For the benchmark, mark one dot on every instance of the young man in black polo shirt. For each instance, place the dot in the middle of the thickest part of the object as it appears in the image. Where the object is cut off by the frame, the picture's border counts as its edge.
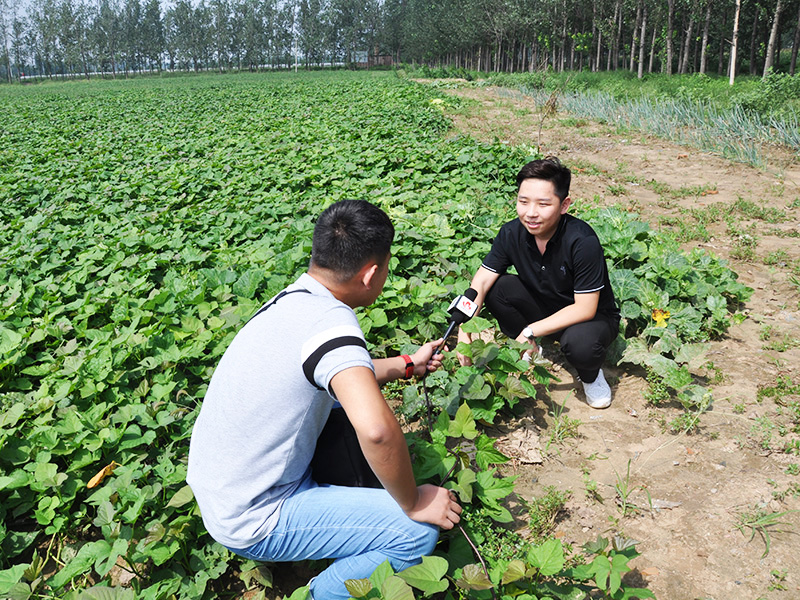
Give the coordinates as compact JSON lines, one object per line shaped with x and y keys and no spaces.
{"x":562,"y":290}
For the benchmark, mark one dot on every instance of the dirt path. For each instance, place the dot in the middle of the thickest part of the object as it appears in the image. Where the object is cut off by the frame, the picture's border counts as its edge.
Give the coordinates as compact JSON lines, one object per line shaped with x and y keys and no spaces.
{"x":688,"y":491}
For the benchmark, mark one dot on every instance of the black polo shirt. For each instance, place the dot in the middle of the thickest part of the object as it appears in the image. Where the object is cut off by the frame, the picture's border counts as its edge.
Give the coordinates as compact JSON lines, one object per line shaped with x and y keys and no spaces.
{"x":573,"y":263}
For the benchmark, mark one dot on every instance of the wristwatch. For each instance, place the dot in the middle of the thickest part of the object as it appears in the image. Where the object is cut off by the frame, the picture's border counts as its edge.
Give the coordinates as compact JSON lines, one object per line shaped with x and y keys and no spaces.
{"x":528,"y":333}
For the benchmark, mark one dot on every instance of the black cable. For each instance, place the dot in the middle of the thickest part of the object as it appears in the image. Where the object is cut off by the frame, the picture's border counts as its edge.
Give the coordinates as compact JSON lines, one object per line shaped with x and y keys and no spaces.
{"x":429,"y":409}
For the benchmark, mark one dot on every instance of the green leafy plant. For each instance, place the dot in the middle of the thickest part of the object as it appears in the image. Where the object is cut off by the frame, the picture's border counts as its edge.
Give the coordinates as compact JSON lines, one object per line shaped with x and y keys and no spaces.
{"x":444,"y":456}
{"x":776,"y":257}
{"x":562,"y":426}
{"x":784,"y":388}
{"x":744,"y":240}
{"x":657,"y":391}
{"x":671,"y":329}
{"x":496,"y":381}
{"x":760,"y":520}
{"x":617,"y":189}
{"x":694,"y":406}
{"x":591,"y":487}
{"x":427,"y":577}
{"x":497,"y":543}
{"x":777,"y":579}
{"x":543,"y":511}
{"x":624,"y":490}
{"x":541,"y":573}
{"x":609,"y":564}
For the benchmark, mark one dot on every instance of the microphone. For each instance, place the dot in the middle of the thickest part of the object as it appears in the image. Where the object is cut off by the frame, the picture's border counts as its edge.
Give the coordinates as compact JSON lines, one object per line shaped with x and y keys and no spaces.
{"x":461,"y":310}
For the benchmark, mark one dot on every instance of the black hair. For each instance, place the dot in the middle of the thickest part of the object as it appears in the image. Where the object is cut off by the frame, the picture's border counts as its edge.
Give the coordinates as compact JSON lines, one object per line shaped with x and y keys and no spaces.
{"x":348,"y":234}
{"x":550,"y":169}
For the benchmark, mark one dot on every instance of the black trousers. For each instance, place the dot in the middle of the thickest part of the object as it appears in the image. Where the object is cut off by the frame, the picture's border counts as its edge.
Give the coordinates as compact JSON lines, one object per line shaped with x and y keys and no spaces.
{"x":338,"y":458}
{"x":584,"y":344}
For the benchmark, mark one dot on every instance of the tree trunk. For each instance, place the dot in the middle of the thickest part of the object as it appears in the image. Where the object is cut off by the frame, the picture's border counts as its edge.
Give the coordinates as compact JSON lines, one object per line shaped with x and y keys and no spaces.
{"x":635,"y":37}
{"x":687,"y":44}
{"x":721,"y":49}
{"x":773,"y":38}
{"x":795,"y":44}
{"x":599,"y":46}
{"x":6,"y":55}
{"x":85,"y":60}
{"x":618,"y":36}
{"x":642,"y":34}
{"x":562,"y":66}
{"x":7,"y":59}
{"x":734,"y":43}
{"x":572,"y":56}
{"x":670,"y":27}
{"x":753,"y":38}
{"x":596,"y":35}
{"x":652,"y":49}
{"x":704,"y":44}
{"x":17,"y":55}
{"x":682,"y":43}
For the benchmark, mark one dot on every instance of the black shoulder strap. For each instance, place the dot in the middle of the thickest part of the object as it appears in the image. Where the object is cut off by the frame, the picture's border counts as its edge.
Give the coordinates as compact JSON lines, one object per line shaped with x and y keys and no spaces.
{"x":311,"y":362}
{"x":278,"y":297}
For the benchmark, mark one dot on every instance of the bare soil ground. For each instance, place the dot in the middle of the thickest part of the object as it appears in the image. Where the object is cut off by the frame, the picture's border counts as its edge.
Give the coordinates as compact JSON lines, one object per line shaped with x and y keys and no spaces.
{"x":688,"y":492}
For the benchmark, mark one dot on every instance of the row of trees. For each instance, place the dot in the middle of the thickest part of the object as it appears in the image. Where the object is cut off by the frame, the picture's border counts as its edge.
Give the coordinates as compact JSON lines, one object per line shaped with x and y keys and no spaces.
{"x":672,"y":36}
{"x":69,"y":37}
{"x":53,"y":37}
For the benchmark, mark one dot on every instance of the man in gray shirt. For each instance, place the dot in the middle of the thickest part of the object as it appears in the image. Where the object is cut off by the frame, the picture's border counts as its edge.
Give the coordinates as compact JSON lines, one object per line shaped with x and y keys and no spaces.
{"x":269,"y":398}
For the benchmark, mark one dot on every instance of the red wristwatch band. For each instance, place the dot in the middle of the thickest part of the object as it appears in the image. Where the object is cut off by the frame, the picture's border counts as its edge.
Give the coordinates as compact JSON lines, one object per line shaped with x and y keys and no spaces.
{"x":409,"y":366}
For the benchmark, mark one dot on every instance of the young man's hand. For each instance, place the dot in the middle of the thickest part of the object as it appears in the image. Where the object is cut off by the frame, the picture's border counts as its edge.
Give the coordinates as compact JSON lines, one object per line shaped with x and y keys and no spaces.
{"x":424,"y":359}
{"x":435,"y":505}
{"x":482,"y":282}
{"x":534,"y":346}
{"x":463,"y":360}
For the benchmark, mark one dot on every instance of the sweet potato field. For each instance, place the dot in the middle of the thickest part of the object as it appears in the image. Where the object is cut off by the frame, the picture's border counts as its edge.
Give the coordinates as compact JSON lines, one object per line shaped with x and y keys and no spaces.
{"x":144,"y":221}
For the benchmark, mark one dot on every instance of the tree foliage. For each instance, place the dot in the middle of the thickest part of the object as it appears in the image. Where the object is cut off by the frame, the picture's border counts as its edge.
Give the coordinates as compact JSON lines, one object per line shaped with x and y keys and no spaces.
{"x":81,"y":37}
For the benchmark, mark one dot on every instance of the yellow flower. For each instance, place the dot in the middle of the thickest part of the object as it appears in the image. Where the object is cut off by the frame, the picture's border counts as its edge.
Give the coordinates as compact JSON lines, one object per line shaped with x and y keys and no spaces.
{"x":660,"y":317}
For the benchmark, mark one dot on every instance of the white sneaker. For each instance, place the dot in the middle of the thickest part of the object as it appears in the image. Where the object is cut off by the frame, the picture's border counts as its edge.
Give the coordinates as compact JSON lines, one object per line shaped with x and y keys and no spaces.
{"x":598,"y":394}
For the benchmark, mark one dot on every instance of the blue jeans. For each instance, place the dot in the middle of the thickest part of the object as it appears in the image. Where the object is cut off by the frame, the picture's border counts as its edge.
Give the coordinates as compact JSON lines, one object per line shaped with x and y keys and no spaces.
{"x":359,"y":527}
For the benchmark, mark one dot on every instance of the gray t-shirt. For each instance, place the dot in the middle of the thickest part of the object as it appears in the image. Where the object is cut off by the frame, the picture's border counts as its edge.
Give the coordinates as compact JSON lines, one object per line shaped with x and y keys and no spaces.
{"x":267,"y":403}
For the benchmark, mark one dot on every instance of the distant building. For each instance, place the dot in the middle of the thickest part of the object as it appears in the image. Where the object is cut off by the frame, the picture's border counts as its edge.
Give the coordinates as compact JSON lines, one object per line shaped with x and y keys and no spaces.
{"x":366,"y":60}
{"x":381,"y":60}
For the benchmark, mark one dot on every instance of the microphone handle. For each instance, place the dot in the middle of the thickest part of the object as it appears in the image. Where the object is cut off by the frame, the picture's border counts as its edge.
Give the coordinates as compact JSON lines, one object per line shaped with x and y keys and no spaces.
{"x":445,"y":336}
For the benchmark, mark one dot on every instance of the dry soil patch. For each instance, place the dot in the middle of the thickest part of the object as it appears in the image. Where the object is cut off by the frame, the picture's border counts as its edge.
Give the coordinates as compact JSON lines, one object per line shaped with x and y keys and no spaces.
{"x":688,"y":490}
